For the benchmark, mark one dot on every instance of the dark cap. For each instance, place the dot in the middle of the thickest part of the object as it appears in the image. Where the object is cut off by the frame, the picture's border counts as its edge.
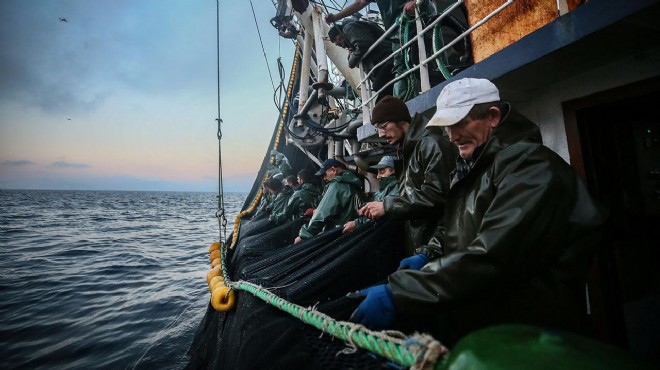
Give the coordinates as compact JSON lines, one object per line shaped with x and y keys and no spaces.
{"x":327,"y":164}
{"x":386,"y":161}
{"x":391,"y":109}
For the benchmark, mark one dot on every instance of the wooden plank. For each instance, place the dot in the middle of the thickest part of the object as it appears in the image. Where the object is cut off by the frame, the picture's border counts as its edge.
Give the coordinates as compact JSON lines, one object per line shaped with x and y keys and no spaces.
{"x":513,"y":23}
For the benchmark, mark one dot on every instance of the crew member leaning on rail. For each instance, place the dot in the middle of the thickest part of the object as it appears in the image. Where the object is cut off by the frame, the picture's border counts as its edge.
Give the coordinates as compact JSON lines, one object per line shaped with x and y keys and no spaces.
{"x":520,"y":231}
{"x":339,"y":202}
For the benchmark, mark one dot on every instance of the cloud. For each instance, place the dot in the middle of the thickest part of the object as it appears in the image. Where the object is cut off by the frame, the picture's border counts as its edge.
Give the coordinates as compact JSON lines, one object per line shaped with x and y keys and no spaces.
{"x":64,"y":164}
{"x":18,"y":163}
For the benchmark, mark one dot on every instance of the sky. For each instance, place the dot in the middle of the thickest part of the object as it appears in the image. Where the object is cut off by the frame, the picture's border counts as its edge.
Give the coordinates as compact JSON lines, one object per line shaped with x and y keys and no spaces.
{"x":123,"y":95}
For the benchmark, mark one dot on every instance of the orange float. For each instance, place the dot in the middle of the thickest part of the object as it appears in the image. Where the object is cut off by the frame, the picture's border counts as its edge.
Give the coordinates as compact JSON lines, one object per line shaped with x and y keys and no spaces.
{"x":213,"y":273}
{"x":223,"y":298}
{"x":213,"y":283}
{"x":214,"y":246}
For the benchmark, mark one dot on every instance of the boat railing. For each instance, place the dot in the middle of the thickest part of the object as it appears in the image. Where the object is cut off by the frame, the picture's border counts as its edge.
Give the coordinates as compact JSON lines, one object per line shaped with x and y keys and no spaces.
{"x":368,"y":96}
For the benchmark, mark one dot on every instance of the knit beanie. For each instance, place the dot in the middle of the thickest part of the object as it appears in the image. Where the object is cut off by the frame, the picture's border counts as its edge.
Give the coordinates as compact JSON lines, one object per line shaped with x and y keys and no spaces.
{"x":390,"y":108}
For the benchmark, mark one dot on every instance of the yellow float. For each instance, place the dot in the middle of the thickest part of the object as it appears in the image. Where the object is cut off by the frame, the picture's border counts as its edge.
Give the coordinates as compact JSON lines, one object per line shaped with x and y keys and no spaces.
{"x":214,"y":246}
{"x":223,"y":298}
{"x":213,"y":283}
{"x":213,"y":273}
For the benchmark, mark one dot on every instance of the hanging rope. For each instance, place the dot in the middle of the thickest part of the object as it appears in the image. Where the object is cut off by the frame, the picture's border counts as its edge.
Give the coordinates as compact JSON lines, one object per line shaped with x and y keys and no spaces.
{"x":220,"y":213}
{"x":262,"y":45}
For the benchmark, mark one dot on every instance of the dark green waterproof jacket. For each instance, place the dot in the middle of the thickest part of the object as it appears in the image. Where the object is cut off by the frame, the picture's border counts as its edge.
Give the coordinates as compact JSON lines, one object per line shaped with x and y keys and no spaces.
{"x":520,"y":229}
{"x":338,"y":205}
{"x":360,"y":36}
{"x":387,"y":186}
{"x":428,"y":159}
{"x":302,"y":199}
{"x":280,"y":201}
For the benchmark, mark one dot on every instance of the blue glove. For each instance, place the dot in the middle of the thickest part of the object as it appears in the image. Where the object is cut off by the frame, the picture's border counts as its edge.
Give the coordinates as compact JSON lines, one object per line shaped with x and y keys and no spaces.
{"x":415,"y":262}
{"x":377,"y":311}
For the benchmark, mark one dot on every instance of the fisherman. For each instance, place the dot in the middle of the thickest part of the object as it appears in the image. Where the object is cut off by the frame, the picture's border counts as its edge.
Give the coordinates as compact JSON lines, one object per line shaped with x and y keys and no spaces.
{"x":358,"y":36}
{"x":292,"y":182}
{"x":280,"y":196}
{"x":339,"y":202}
{"x":387,"y":185}
{"x":428,"y":160}
{"x":266,"y":200}
{"x":521,"y":229}
{"x":390,"y":10}
{"x":281,"y":163}
{"x":302,"y":200}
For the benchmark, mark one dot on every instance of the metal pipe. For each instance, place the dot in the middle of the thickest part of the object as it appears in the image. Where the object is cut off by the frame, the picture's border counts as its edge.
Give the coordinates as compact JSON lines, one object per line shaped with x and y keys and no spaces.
{"x":321,"y":56}
{"x":338,"y":55}
{"x":421,"y":48}
{"x":304,"y":109}
{"x":304,"y":71}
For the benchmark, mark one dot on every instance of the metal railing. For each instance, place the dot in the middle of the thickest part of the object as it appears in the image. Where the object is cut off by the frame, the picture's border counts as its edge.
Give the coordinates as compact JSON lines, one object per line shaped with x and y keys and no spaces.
{"x":369,"y":96}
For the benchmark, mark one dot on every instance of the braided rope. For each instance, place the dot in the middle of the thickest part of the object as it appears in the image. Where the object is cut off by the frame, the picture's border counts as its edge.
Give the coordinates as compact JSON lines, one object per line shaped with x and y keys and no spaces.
{"x":418,"y":351}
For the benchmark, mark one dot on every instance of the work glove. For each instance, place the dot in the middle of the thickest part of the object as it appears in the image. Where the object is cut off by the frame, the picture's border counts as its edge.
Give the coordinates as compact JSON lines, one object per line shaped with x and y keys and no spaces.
{"x":415,"y":262}
{"x":377,"y":310}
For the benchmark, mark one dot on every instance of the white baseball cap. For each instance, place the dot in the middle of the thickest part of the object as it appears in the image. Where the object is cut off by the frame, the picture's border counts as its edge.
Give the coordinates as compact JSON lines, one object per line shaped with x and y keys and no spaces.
{"x":458,"y":97}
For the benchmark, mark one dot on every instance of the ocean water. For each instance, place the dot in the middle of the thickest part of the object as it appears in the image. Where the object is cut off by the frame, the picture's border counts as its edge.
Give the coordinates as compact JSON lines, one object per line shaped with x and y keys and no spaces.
{"x":112,"y":280}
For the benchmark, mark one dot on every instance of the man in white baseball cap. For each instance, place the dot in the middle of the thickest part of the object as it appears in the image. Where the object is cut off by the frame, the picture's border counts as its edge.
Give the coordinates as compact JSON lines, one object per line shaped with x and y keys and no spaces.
{"x":457,"y":99}
{"x":520,"y":231}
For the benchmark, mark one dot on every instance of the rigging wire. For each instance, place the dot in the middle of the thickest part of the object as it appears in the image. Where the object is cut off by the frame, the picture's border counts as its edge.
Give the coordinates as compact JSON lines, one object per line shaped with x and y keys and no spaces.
{"x":262,"y":45}
{"x":220,"y":213}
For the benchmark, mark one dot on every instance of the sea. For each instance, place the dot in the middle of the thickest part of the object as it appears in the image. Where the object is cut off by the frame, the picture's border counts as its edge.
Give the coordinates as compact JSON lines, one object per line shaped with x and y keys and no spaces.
{"x":104,"y":279}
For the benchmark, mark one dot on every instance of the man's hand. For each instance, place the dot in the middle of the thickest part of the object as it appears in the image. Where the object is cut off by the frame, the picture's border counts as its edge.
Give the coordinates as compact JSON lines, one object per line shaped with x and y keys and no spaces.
{"x":409,"y":7}
{"x":377,"y":311}
{"x":348,"y":227}
{"x":330,"y":18}
{"x":309,"y":212}
{"x":415,"y":262}
{"x":372,"y":210}
{"x":297,"y":240}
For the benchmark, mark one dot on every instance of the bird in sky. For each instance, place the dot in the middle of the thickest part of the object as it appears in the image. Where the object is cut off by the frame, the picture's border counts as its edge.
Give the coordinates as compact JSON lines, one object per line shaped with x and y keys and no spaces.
{"x":62,"y":19}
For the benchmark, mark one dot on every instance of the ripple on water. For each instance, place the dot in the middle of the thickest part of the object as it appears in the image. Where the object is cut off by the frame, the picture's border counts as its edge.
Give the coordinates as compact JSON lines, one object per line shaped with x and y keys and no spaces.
{"x":103,"y":279}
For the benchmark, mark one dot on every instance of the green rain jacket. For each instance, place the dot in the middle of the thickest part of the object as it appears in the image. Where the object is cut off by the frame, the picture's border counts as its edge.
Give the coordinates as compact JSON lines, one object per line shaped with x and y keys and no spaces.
{"x":388,"y":186}
{"x":302,"y":199}
{"x":280,"y":201}
{"x":521,"y":229}
{"x":338,"y":205}
{"x":428,"y":159}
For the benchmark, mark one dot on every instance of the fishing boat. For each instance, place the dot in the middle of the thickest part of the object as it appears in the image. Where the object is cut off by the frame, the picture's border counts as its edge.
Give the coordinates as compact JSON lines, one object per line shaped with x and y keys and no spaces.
{"x":587,"y":72}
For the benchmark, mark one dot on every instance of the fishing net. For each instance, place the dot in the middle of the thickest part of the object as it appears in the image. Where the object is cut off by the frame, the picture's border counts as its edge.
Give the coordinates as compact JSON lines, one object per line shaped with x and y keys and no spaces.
{"x":317,"y":273}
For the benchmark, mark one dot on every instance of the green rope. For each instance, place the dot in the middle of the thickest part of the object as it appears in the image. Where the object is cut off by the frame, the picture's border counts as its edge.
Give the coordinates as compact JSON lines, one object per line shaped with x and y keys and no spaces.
{"x":404,"y":27}
{"x":438,"y":43}
{"x":392,"y":348}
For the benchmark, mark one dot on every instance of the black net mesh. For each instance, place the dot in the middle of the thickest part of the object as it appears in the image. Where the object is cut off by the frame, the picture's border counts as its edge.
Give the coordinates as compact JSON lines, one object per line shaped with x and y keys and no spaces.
{"x":318,"y":272}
